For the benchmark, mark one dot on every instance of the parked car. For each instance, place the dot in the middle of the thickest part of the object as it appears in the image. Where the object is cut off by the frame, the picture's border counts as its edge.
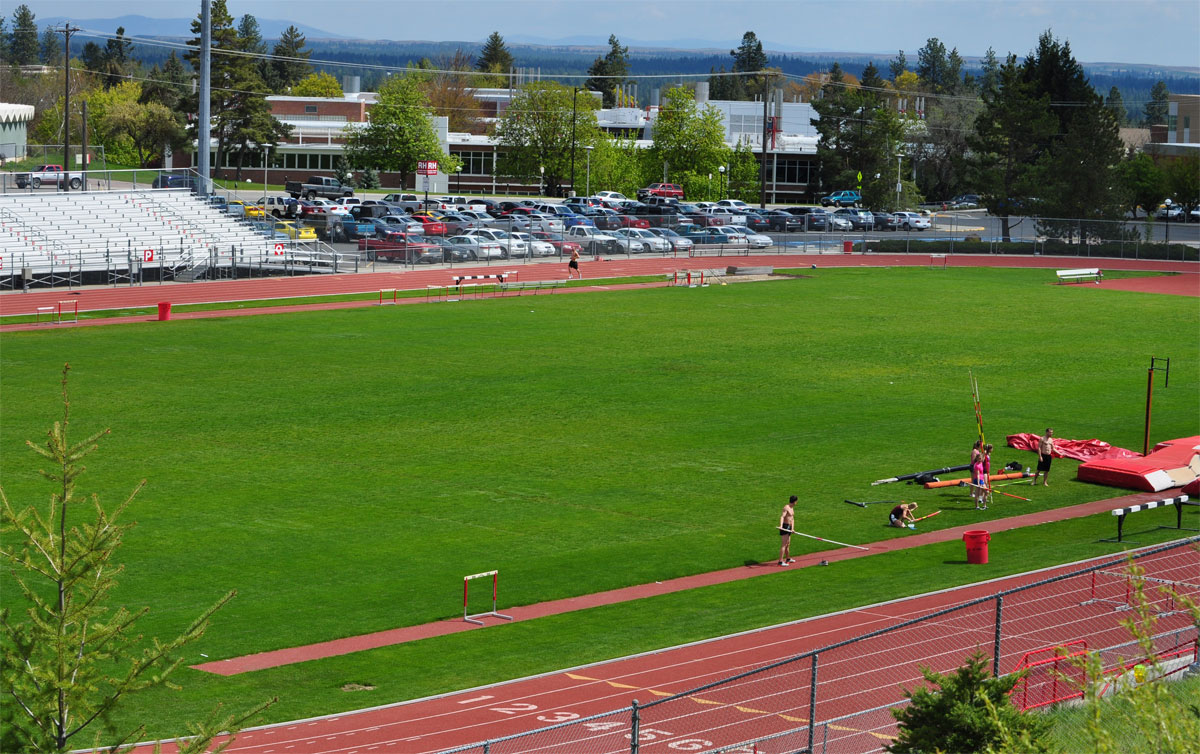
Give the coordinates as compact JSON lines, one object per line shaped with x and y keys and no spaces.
{"x":814,"y":218}
{"x":450,"y":252}
{"x":860,"y":219}
{"x":713,"y":235}
{"x":595,"y":242}
{"x":724,"y":213}
{"x":603,"y":218}
{"x":839,"y":223}
{"x":404,"y":224}
{"x":650,"y":241}
{"x":782,"y":222}
{"x":670,"y":190}
{"x":513,"y":247}
{"x":331,"y":207}
{"x":610,"y":196}
{"x":754,"y":220}
{"x":268,"y":229}
{"x":165,"y":180}
{"x":245,"y":209}
{"x":478,"y":247}
{"x":698,"y":216}
{"x":296,"y":232}
{"x":734,"y":204}
{"x":50,"y":174}
{"x":752,"y":239}
{"x":841,"y":199}
{"x":1194,"y":216}
{"x":562,"y":246}
{"x":885,"y":221}
{"x":317,"y":186}
{"x":537,"y":247}
{"x":402,"y":248}
{"x":276,"y":205}
{"x":1170,"y":212}
{"x":965,"y":201}
{"x":678,"y":241}
{"x":912,"y":221}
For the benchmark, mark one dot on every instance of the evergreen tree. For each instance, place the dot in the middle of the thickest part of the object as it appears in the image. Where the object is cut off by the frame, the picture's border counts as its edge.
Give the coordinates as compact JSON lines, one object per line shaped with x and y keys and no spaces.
{"x":938,"y":70}
{"x":1011,"y":136}
{"x":241,"y":117}
{"x":1156,"y":109}
{"x":117,"y":62}
{"x":167,"y":85}
{"x":872,"y":83}
{"x":1116,"y":103}
{"x":991,"y":72}
{"x":70,"y":658}
{"x":290,"y":63}
{"x":24,"y":47}
{"x":494,"y":57}
{"x":951,"y":714}
{"x":52,"y":49}
{"x":608,"y":73}
{"x":747,"y":58}
{"x":93,"y":58}
{"x":897,"y":66}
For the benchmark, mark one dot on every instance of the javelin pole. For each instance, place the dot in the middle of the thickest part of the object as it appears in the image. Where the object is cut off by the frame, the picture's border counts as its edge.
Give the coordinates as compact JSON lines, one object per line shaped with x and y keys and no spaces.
{"x":975,"y":398}
{"x":998,"y":492}
{"x":822,"y":539}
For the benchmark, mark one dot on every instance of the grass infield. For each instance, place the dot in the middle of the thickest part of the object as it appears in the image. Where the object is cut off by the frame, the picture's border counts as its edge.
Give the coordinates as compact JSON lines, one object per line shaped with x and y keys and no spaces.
{"x":345,"y":469}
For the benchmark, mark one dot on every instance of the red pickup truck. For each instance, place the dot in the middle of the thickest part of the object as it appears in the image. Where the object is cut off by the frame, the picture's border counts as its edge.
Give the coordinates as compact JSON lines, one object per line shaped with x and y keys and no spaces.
{"x":668,"y":190}
{"x":49,"y":174}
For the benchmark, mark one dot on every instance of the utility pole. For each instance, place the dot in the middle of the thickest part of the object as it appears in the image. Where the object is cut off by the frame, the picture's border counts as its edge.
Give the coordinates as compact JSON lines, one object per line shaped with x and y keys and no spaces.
{"x":762,"y":173}
{"x":574,"y":94}
{"x":66,"y":30}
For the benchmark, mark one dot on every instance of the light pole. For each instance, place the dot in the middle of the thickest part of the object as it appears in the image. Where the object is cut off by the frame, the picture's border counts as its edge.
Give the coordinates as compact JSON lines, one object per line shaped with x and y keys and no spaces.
{"x":457,"y":180}
{"x":266,"y":169}
{"x":587,"y":189}
{"x":541,"y":180}
{"x":721,"y":170}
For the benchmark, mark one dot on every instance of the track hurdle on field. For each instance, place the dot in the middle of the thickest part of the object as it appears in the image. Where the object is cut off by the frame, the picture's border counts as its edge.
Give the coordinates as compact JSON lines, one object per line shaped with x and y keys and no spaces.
{"x":387,"y":296}
{"x":1178,"y":502}
{"x":466,"y":588}
{"x":68,"y":307}
{"x":689,"y":278}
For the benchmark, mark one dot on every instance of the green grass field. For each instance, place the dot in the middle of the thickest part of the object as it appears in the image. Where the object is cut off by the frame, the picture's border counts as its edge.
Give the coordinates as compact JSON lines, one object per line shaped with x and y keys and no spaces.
{"x":344,"y":470}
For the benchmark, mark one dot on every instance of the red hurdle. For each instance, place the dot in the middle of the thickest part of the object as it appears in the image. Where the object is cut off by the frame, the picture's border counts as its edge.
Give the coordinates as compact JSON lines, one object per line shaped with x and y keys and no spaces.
{"x":466,"y":586}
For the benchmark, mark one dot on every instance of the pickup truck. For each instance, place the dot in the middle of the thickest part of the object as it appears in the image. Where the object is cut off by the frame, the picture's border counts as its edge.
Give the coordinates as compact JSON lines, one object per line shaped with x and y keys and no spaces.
{"x":328,"y":188}
{"x":669,"y":190}
{"x":595,"y":242}
{"x":841,"y":199}
{"x":49,"y":174}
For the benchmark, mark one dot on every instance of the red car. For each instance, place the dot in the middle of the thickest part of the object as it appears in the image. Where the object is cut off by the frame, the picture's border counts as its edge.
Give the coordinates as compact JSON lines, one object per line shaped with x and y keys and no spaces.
{"x":433,"y":227}
{"x":632,"y":221}
{"x":669,"y":190}
{"x":561,"y":245}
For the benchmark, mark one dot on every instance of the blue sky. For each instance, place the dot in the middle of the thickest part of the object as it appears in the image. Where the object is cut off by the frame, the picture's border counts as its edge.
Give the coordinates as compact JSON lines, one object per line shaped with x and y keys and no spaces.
{"x":1158,"y":32}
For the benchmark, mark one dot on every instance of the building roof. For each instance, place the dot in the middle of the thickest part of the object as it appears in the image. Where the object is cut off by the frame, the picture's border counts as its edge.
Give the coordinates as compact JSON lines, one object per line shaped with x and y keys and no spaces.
{"x":10,"y":113}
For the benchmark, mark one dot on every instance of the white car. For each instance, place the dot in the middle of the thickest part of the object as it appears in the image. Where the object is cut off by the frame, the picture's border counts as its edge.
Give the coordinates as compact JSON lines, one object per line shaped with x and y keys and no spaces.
{"x":331,"y":207}
{"x":838,"y":223}
{"x":729,"y":216}
{"x":513,"y":247}
{"x":537,"y":248}
{"x":610,"y":196}
{"x":754,"y":240}
{"x":737,"y":204}
{"x":478,"y":247}
{"x":912,"y":221}
{"x":651,"y":241}
{"x":1170,"y":212}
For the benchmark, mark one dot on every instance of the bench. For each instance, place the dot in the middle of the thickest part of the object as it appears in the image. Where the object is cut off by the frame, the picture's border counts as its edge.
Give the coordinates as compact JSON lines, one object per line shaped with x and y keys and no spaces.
{"x":1080,"y":275}
{"x":1178,"y":502}
{"x":532,"y":285}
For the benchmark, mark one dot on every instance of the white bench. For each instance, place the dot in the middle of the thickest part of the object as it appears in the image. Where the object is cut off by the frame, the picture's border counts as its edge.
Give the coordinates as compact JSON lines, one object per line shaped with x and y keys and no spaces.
{"x":1080,"y":275}
{"x":1178,"y":502}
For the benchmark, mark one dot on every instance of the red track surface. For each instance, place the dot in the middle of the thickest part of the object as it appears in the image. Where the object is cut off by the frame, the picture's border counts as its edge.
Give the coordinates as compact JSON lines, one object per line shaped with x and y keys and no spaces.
{"x":261,"y":289}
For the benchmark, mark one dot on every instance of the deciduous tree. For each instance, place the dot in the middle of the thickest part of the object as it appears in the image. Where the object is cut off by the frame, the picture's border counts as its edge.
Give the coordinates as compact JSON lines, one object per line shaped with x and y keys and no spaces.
{"x":318,"y":84}
{"x":535,"y":133}
{"x":688,"y":137}
{"x":451,"y":92}
{"x":399,"y":133}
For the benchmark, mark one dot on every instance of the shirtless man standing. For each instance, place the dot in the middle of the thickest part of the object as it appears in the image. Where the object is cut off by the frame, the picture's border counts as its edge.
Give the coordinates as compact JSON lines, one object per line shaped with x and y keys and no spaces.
{"x":787,"y":524}
{"x":1045,"y":456}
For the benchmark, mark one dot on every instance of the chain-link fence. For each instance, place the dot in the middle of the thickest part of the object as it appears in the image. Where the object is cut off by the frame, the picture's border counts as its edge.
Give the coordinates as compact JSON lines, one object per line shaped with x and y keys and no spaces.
{"x":839,"y":698}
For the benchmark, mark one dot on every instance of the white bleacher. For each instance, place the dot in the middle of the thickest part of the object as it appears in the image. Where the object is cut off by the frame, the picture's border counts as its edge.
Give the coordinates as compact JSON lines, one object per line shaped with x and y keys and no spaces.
{"x":116,"y":230}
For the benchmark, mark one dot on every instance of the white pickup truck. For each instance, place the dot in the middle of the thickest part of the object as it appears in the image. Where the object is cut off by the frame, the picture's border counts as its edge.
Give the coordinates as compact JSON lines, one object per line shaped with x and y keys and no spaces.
{"x":52,"y":174}
{"x":595,"y":242}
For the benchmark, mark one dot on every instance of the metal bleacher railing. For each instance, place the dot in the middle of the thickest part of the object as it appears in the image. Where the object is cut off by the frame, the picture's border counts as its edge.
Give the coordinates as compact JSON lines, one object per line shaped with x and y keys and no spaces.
{"x":839,"y":698}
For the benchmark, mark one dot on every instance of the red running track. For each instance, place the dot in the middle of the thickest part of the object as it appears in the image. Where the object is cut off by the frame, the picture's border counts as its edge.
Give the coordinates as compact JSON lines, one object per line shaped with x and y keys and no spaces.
{"x":262,"y":289}
{"x":862,"y":676}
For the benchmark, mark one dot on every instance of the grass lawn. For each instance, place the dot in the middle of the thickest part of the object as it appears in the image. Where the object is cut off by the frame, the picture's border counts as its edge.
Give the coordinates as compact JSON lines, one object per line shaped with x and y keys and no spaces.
{"x":343,"y":470}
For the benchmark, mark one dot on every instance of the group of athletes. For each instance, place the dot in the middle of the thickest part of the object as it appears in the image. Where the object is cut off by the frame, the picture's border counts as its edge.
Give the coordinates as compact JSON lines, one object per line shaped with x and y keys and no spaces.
{"x":902,"y":517}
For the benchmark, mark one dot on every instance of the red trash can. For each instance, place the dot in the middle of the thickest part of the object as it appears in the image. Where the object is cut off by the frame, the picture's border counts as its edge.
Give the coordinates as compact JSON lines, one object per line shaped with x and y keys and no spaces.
{"x":847,"y":247}
{"x":164,"y":310}
{"x":977,"y":545}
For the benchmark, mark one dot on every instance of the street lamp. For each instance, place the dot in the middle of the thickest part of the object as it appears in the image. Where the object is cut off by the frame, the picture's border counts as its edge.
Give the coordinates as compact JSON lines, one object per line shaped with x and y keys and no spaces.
{"x":457,"y":180}
{"x":266,"y":169}
{"x":721,"y":170}
{"x":541,"y":180}
{"x":587,"y":189}
{"x":898,"y":186}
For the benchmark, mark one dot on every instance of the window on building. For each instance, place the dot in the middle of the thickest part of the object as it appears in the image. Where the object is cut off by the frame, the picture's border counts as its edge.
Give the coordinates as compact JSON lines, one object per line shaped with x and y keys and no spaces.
{"x":289,"y":160}
{"x":475,"y":163}
{"x":745,"y":124}
{"x":792,"y":171}
{"x":310,"y":109}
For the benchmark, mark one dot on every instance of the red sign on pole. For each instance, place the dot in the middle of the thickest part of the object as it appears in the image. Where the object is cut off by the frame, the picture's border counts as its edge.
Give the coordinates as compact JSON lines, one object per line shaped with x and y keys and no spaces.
{"x":427,"y":167}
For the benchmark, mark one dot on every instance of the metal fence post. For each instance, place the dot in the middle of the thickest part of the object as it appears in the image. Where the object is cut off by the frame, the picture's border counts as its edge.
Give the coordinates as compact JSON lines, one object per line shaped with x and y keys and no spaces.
{"x":634,"y":725}
{"x":812,"y":704}
{"x":996,"y":647}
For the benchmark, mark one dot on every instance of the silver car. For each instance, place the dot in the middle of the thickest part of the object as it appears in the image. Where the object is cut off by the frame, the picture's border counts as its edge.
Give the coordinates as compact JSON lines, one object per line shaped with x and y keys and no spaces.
{"x":650,"y":241}
{"x":678,"y":242}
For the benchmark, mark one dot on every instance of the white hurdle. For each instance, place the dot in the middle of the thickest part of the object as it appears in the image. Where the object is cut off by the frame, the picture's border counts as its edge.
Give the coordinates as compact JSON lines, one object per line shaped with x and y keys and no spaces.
{"x":466,"y":587}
